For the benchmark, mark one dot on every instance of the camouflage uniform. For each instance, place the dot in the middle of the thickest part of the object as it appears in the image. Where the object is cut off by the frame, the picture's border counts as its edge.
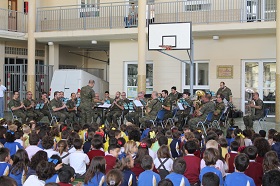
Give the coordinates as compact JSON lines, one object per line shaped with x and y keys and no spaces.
{"x":154,"y":106}
{"x":44,"y":109}
{"x":205,"y":109}
{"x":114,"y":112}
{"x":226,"y":92}
{"x":61,"y":114}
{"x":134,"y":116}
{"x":20,"y":112}
{"x":173,"y":98}
{"x":219,"y":108}
{"x":87,"y":96}
{"x":187,"y":104}
{"x":72,"y":114}
{"x":167,"y":103}
{"x":31,"y":113}
{"x":259,"y":113}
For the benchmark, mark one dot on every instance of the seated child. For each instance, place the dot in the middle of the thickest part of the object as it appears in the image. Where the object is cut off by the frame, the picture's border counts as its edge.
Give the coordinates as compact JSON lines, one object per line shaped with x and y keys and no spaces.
{"x":95,"y":174}
{"x":4,"y":162}
{"x":148,"y":177}
{"x":192,"y":162}
{"x":66,"y":176}
{"x":114,"y":177}
{"x":241,"y":163}
{"x":96,"y":145}
{"x":271,"y":178}
{"x":255,"y":170}
{"x":111,"y":158}
{"x":78,"y":159}
{"x":210,"y":157}
{"x":210,"y":179}
{"x":233,"y":152}
{"x":11,"y":144}
{"x":177,"y":176}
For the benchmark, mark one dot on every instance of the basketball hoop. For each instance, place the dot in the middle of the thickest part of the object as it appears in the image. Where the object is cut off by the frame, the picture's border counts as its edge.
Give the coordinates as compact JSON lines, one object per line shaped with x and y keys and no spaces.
{"x":166,"y":47}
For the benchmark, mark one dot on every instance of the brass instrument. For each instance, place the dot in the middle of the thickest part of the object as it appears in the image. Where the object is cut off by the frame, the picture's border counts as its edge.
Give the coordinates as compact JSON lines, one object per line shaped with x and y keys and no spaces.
{"x":249,"y":98}
{"x":198,"y":95}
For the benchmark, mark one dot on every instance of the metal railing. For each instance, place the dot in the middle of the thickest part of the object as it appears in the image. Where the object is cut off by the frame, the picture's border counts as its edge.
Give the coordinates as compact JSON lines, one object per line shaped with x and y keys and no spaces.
{"x":13,"y":21}
{"x":15,"y":78}
{"x":120,"y":15}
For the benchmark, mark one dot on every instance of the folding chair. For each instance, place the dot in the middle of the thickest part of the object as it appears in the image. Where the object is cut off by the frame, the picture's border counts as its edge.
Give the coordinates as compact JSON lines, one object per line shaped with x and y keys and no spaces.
{"x":14,"y":117}
{"x":172,"y":120}
{"x":266,"y":112}
{"x":159,"y":118}
{"x":216,"y":123}
{"x":207,"y":122}
{"x":120,"y":119}
{"x":53,"y":118}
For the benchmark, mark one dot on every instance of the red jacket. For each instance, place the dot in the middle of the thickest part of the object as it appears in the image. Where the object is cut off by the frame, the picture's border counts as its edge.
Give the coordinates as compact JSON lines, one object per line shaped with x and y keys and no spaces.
{"x":231,"y":161}
{"x":255,"y":171}
{"x":193,"y":168}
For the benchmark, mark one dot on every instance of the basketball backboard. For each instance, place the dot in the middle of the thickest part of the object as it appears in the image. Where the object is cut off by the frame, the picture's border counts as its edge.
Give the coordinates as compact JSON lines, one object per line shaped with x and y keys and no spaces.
{"x":176,"y":35}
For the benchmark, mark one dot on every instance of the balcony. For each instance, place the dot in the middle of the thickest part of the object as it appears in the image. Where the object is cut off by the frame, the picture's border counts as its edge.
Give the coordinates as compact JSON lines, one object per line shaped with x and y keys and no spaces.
{"x":118,"y":15}
{"x":12,"y":21}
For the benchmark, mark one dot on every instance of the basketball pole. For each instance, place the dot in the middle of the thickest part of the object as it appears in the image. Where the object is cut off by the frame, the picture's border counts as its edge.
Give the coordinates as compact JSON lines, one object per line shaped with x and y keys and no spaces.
{"x":191,"y":56}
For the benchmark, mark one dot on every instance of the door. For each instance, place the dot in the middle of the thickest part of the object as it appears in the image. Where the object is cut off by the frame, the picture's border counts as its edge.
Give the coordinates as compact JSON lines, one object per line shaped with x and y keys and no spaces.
{"x":260,"y":76}
{"x":12,"y":17}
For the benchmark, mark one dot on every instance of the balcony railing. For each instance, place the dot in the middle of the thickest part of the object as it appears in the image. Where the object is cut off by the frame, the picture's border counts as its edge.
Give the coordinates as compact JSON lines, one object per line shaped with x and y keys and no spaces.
{"x":120,"y":15}
{"x":13,"y":21}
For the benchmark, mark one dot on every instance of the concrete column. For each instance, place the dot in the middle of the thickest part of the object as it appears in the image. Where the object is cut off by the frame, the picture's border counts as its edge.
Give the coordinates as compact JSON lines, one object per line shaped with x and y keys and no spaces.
{"x":46,"y":58}
{"x":54,"y":56}
{"x":31,"y":46}
{"x":277,"y":94}
{"x":2,"y":60}
{"x":142,"y":46}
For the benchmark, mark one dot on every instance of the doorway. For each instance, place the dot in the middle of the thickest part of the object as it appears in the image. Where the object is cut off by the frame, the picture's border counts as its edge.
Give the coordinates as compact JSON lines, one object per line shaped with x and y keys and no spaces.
{"x":260,"y":75}
{"x":12,"y":17}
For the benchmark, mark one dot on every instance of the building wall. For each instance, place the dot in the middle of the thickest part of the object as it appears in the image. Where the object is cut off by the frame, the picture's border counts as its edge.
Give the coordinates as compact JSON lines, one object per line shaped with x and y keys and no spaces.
{"x":228,"y":50}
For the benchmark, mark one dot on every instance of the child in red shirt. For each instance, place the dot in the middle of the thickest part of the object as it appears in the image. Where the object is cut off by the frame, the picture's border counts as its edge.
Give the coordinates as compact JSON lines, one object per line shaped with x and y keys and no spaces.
{"x":255,"y":170}
{"x":234,"y":148}
{"x":111,"y":158}
{"x":193,"y":163}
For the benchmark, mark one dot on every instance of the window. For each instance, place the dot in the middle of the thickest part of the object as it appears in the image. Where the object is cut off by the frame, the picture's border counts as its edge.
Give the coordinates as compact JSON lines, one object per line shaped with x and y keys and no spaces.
{"x":201,"y":76}
{"x":197,"y":6}
{"x":131,"y":79}
{"x":89,"y":8}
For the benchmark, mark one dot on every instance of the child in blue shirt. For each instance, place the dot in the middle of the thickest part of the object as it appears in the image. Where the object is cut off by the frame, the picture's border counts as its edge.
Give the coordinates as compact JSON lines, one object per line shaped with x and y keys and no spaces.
{"x":11,"y":144}
{"x":210,"y":157}
{"x":241,"y":163}
{"x":4,"y":159}
{"x":20,"y":167}
{"x":210,"y":178}
{"x":148,"y":177}
{"x":177,"y":176}
{"x":95,"y":174}
{"x":145,"y":133}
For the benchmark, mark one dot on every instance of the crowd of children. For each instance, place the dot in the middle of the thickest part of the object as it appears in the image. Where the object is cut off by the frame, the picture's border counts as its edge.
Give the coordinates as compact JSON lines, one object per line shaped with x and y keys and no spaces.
{"x":93,"y":155}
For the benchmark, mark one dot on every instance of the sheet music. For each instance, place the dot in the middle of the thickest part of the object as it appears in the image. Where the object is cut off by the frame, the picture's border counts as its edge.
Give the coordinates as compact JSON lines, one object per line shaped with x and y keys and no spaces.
{"x":105,"y":105}
{"x":137,"y":103}
{"x":180,"y":106}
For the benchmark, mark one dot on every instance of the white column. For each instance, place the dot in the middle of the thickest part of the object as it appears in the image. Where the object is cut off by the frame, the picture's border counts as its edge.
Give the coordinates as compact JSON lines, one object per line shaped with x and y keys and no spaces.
{"x":142,"y":45}
{"x":31,"y":46}
{"x":54,"y":56}
{"x":2,"y":60}
{"x":277,"y":92}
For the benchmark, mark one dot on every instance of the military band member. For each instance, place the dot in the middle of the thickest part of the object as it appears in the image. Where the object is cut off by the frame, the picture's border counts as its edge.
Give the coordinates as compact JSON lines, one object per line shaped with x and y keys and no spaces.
{"x":30,"y":105}
{"x":58,"y":107}
{"x":44,"y":105}
{"x":126,"y":103}
{"x":63,"y":99}
{"x":107,"y":98}
{"x":152,"y":108}
{"x":87,"y":102}
{"x":17,"y":107}
{"x":115,"y":109}
{"x":72,"y":108}
{"x":187,"y":104}
{"x":174,"y":95}
{"x":259,"y":111}
{"x":220,"y":106}
{"x":225,"y":91}
{"x":201,"y":113}
{"x":138,"y":111}
{"x":166,"y":104}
